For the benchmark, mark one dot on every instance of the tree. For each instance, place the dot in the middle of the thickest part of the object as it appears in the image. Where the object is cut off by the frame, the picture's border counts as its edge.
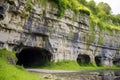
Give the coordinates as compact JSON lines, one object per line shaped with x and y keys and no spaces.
{"x":105,"y":7}
{"x":83,"y":2}
{"x":92,"y":6}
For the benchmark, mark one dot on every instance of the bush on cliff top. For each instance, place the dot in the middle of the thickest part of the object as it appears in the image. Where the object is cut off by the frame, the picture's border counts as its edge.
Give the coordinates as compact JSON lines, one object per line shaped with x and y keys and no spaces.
{"x":102,"y":17}
{"x":99,"y":14}
{"x":62,"y":5}
{"x":70,"y":4}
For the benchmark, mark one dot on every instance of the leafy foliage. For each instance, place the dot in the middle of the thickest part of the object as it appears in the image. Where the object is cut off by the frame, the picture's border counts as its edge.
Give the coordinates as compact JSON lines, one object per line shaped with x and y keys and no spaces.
{"x":105,"y":7}
{"x":102,"y":18}
{"x":70,"y":4}
{"x":101,"y":12}
{"x":84,"y":2}
{"x":92,"y":6}
{"x":62,"y":5}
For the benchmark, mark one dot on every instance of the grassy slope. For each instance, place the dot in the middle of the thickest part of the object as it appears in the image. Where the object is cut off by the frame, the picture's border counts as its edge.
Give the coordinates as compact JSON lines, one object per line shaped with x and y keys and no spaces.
{"x":11,"y":72}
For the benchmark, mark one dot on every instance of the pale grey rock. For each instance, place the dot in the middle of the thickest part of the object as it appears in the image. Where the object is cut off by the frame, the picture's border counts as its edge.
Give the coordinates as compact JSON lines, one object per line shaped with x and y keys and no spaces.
{"x":64,"y":38}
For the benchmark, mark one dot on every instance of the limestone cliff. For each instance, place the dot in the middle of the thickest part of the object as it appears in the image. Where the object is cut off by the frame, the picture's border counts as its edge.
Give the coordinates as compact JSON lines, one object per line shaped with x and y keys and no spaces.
{"x":66,"y":38}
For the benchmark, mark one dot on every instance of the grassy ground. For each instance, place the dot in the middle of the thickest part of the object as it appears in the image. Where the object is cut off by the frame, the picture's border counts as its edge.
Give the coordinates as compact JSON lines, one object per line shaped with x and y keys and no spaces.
{"x":13,"y":72}
{"x":73,"y":65}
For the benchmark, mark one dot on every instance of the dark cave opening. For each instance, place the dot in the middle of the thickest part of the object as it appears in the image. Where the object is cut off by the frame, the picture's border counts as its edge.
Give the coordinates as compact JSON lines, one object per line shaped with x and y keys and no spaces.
{"x":98,"y":60}
{"x":116,"y":61}
{"x":1,"y":16}
{"x":83,"y":59}
{"x":1,"y":12}
{"x":1,"y":9}
{"x":33,"y":57}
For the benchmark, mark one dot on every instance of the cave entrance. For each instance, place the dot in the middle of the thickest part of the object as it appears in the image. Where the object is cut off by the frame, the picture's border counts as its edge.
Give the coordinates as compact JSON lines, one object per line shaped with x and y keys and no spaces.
{"x":83,"y":59}
{"x":98,"y":60}
{"x":33,"y":57}
{"x":116,"y":61}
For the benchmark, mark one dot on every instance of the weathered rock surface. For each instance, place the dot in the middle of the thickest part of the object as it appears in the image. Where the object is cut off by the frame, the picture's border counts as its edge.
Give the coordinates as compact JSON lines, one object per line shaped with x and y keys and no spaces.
{"x":65,"y":38}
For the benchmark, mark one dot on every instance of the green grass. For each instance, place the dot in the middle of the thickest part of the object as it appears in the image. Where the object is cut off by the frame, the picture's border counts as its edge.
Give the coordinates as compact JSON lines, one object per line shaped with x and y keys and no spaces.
{"x":5,"y":53}
{"x":72,"y":65}
{"x":12,"y":72}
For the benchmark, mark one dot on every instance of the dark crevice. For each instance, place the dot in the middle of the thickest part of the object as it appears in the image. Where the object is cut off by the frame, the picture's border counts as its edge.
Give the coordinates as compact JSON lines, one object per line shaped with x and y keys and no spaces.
{"x":31,"y":57}
{"x":1,"y":9}
{"x":116,"y":61}
{"x":98,"y":60}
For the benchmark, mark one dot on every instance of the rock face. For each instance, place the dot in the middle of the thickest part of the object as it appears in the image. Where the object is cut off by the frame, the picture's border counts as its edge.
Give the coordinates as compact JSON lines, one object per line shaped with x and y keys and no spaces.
{"x":64,"y":37}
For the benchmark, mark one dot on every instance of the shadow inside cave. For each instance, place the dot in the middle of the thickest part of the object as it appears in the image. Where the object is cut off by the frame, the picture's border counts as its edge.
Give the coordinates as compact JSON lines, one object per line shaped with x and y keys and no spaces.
{"x":83,"y":59}
{"x":33,"y":57}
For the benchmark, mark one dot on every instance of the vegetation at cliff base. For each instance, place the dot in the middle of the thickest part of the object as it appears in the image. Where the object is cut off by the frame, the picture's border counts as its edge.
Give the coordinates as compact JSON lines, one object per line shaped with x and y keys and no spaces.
{"x":12,"y":72}
{"x":72,"y":65}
